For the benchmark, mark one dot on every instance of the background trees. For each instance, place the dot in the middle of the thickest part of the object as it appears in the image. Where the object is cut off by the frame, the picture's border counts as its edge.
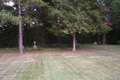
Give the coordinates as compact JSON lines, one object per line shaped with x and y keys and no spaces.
{"x":80,"y":16}
{"x":113,"y":19}
{"x":22,"y":8}
{"x":45,"y":21}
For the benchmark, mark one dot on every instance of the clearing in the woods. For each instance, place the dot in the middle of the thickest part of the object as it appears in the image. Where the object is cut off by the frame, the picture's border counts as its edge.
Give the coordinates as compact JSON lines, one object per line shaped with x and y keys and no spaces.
{"x":88,"y":62}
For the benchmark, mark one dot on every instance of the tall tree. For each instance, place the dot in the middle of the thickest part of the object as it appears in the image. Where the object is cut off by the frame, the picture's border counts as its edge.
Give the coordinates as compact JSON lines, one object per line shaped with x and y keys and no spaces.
{"x":21,"y":14}
{"x":112,"y":17}
{"x":20,"y":28}
{"x":80,"y":16}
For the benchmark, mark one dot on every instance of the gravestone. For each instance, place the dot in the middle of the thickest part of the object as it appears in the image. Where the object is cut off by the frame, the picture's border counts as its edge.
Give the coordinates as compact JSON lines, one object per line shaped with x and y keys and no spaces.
{"x":35,"y":46}
{"x":95,"y":43}
{"x":76,"y":43}
{"x":58,"y":43}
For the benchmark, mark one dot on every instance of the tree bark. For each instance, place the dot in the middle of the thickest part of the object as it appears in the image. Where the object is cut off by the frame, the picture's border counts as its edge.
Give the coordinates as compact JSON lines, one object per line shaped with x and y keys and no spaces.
{"x":58,"y":42}
{"x":20,"y":30}
{"x":98,"y":39}
{"x":89,"y":38}
{"x":25,"y":37}
{"x":74,"y":47}
{"x":79,"y":38}
{"x":104,"y":39}
{"x":70,"y":40}
{"x":43,"y":43}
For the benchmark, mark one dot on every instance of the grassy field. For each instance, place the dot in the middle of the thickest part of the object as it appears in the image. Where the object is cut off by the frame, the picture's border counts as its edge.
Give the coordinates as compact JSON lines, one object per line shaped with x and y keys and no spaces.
{"x":89,"y":62}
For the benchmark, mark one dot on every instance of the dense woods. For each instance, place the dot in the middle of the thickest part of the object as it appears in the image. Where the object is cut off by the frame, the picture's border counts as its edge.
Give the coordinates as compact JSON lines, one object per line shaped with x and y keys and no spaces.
{"x":56,"y":22}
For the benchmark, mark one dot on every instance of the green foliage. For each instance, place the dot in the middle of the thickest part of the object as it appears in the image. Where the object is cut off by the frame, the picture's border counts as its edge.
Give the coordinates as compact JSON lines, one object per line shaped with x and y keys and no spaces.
{"x":28,"y":7}
{"x":42,"y":36}
{"x":9,"y":35}
{"x":118,"y":42}
{"x":9,"y":17}
{"x":79,"y":16}
{"x":116,"y":11}
{"x":6,"y":15}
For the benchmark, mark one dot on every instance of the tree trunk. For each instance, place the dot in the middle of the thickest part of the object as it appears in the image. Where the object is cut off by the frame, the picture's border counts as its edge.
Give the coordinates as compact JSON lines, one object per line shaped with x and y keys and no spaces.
{"x":98,"y":39}
{"x":24,"y":33}
{"x":79,"y":38}
{"x":74,"y":47}
{"x":89,"y":38}
{"x":43,"y":43}
{"x":70,"y":40}
{"x":58,"y":42}
{"x":59,"y":39}
{"x":104,"y":39}
{"x":20,"y":30}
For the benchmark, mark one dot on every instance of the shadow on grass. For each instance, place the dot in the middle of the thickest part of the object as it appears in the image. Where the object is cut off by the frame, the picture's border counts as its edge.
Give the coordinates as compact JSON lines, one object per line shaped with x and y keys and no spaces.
{"x":62,"y":48}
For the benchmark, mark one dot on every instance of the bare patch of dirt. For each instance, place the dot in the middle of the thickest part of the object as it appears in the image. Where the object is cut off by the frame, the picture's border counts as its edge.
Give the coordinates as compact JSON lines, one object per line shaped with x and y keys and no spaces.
{"x":72,"y":56}
{"x":1,"y":56}
{"x":94,"y":57}
{"x":79,"y":52}
{"x":102,"y":51}
{"x":29,"y":55}
{"x":116,"y":59}
{"x":32,"y":60}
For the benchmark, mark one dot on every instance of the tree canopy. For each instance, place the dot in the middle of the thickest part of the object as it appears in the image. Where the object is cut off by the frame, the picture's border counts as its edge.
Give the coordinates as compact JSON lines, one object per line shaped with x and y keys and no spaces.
{"x":61,"y":17}
{"x":80,"y":16}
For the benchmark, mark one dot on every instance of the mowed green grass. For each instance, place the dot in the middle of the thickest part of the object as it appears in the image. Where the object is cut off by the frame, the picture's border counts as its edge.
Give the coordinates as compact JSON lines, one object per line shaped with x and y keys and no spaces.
{"x":89,"y":62}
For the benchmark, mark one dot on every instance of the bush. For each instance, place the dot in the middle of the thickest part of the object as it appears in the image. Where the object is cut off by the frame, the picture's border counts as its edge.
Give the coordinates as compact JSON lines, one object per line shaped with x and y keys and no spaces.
{"x":118,"y":42}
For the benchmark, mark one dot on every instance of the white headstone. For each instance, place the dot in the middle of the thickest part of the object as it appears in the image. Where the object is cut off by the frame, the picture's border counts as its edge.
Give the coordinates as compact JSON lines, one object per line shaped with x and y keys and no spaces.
{"x":95,"y":43}
{"x":35,"y":46}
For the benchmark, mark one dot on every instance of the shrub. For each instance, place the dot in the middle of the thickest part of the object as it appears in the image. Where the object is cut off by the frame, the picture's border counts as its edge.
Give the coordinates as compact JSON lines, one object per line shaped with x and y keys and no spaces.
{"x":118,"y":42}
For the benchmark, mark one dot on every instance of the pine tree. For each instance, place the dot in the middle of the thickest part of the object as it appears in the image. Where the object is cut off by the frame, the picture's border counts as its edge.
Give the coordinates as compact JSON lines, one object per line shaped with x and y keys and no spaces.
{"x":24,"y":8}
{"x":80,"y":16}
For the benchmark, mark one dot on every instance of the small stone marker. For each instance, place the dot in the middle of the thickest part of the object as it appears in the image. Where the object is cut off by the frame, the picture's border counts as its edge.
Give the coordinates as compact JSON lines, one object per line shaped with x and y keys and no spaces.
{"x":35,"y":46}
{"x":95,"y":43}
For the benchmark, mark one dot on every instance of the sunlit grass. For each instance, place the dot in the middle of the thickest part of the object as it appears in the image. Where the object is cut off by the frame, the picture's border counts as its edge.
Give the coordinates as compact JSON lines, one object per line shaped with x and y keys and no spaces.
{"x":89,"y":62}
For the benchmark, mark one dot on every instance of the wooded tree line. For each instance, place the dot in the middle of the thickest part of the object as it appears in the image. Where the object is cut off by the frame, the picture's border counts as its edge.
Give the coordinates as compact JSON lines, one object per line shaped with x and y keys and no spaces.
{"x":59,"y":22}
